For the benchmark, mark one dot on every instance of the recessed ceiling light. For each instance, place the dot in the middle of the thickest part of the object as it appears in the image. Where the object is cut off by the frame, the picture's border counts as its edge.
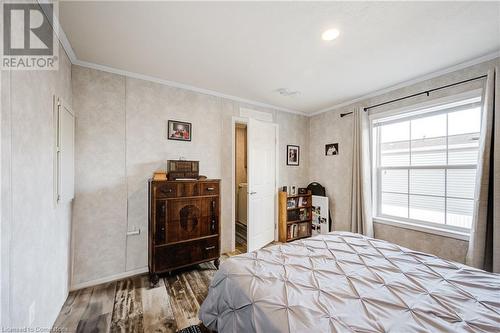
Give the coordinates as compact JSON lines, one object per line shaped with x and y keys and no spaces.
{"x":330,"y":34}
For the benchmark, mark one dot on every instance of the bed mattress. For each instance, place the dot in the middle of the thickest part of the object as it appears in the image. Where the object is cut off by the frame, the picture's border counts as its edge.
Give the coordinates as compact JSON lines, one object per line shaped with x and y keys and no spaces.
{"x":345,"y":282}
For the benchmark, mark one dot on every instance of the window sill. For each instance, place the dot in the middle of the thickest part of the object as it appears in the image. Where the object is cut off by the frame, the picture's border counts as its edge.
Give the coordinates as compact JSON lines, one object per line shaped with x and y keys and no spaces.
{"x":422,"y":228}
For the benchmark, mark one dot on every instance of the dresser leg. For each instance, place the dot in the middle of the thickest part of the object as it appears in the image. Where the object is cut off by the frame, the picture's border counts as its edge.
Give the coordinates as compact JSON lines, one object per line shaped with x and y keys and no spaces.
{"x":154,"y":279}
{"x":216,"y":263}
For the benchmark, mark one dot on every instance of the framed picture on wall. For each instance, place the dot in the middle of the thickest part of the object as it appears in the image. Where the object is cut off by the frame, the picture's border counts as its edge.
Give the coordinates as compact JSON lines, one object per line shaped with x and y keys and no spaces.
{"x":332,"y":149}
{"x":179,"y":130}
{"x":292,"y":155}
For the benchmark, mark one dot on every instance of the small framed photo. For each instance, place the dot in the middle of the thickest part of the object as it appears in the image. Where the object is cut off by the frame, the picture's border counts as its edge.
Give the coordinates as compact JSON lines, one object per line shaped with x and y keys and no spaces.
{"x":331,"y":149}
{"x":292,"y":155}
{"x":302,"y":190}
{"x":179,"y":130}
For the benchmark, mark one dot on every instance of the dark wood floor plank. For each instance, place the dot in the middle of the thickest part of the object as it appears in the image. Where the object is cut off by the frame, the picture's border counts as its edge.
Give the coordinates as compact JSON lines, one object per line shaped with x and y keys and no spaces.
{"x":95,"y":324}
{"x":158,"y":315}
{"x":197,"y":285}
{"x":128,"y":311}
{"x":100,"y":306}
{"x":183,"y":301}
{"x":73,"y":310}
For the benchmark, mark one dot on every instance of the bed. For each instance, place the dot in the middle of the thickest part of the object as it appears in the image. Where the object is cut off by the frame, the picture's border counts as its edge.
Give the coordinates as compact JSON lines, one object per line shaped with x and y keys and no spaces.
{"x":345,"y":282}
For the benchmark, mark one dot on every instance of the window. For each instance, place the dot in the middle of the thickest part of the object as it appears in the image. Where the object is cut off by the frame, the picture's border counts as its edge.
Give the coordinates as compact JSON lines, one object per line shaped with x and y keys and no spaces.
{"x":425,"y":164}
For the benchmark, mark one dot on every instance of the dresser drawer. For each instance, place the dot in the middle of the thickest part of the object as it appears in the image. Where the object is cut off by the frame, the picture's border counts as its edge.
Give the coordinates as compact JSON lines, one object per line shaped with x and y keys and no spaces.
{"x":183,"y":254}
{"x":188,"y":189}
{"x":166,"y":190}
{"x":210,"y":188}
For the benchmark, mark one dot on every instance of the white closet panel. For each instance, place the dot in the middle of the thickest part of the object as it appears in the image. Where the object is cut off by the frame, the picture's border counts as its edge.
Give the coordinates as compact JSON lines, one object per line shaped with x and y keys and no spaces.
{"x":65,"y":165}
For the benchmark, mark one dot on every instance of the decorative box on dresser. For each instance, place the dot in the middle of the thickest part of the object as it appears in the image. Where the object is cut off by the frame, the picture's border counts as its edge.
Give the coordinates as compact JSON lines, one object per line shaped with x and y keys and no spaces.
{"x":184,"y":226}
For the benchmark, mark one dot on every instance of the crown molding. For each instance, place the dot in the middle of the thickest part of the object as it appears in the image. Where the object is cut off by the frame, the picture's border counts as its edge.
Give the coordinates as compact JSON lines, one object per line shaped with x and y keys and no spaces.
{"x":419,"y":79}
{"x":183,"y":86}
{"x":58,"y":30}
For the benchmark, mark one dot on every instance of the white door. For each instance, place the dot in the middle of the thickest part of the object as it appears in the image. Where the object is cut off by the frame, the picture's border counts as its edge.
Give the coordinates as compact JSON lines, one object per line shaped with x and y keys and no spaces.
{"x":261,"y":183}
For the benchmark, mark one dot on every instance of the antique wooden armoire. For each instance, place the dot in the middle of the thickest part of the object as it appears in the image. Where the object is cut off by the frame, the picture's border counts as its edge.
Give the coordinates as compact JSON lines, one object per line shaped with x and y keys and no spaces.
{"x":184,"y":226}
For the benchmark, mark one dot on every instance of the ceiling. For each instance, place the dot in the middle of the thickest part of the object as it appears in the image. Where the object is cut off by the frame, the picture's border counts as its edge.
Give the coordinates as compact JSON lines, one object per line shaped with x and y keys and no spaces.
{"x":251,"y":49}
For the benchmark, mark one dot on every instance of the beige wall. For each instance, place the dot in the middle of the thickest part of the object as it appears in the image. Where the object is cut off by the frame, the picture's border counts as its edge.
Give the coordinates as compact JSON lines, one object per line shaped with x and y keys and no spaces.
{"x":121,"y":140}
{"x":35,"y":232}
{"x":334,"y":172}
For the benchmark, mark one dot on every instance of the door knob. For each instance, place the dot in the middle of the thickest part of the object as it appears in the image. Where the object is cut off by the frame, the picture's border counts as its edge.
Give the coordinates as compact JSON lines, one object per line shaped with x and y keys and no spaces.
{"x":252,"y":193}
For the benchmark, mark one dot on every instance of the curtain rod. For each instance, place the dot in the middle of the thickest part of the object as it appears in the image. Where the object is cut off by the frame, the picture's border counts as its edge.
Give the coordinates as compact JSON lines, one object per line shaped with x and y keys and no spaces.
{"x":427,"y":92}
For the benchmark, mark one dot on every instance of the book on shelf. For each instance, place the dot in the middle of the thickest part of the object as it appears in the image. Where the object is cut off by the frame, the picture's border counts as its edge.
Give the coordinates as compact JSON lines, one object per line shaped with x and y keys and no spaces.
{"x":293,"y":215}
{"x":293,"y":231}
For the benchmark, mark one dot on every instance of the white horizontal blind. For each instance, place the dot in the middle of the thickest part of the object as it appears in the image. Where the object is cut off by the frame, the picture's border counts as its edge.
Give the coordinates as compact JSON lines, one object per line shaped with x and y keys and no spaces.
{"x":425,"y":164}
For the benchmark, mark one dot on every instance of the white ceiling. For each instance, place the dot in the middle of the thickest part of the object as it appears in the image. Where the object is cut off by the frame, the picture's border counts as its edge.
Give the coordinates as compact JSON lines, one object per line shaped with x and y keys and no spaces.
{"x":251,"y":49}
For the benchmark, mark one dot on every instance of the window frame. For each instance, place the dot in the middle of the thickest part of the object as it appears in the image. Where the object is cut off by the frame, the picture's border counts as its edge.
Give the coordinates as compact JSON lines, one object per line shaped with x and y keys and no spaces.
{"x":405,"y":113}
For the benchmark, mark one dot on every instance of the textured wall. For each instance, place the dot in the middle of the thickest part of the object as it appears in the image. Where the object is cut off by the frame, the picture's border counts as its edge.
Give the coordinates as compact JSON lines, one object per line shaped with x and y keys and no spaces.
{"x":121,"y":140}
{"x":35,"y":265}
{"x":100,"y":205}
{"x":444,"y":247}
{"x":334,"y":172}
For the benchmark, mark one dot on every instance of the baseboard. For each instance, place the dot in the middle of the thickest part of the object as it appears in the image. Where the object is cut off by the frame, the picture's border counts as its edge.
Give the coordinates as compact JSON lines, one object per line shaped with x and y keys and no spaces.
{"x":109,"y":278}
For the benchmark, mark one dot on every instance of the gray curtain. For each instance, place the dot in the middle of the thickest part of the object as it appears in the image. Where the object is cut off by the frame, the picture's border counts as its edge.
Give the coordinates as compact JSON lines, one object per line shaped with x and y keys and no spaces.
{"x":484,"y":243}
{"x":361,"y":198}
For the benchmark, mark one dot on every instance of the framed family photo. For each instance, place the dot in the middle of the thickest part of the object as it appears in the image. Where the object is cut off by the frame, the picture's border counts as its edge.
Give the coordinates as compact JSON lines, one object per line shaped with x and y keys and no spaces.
{"x":292,"y":155}
{"x":179,"y":130}
{"x":332,"y":149}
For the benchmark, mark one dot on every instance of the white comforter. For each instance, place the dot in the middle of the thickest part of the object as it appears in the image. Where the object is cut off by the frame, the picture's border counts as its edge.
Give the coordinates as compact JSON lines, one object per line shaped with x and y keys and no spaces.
{"x":344,"y":282}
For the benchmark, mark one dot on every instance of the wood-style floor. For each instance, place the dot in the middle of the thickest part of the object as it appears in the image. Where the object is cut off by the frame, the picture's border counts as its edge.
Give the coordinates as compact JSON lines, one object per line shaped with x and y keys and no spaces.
{"x":131,"y":305}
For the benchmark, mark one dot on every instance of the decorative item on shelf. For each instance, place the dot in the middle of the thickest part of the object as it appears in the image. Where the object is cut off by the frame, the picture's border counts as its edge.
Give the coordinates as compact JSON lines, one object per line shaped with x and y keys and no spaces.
{"x":302,"y":190}
{"x":303,"y":214}
{"x":201,"y":177}
{"x":331,"y":149}
{"x":292,"y":155}
{"x":179,"y":130}
{"x":303,"y":201}
{"x":160,"y":175}
{"x":303,"y":230}
{"x":294,"y":190}
{"x":284,"y":189}
{"x":180,"y":169}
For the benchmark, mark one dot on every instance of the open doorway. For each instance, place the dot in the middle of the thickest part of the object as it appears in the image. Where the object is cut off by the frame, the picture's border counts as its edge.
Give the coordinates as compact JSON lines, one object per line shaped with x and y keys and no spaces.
{"x":254,"y":183}
{"x":241,"y":187}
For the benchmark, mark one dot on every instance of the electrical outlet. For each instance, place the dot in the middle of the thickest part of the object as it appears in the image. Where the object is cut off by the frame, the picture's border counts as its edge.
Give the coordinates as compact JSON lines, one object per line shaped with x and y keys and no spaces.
{"x":32,"y":313}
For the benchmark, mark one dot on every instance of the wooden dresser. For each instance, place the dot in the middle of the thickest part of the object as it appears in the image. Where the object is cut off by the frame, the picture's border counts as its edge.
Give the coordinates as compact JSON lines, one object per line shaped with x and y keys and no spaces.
{"x":184,"y":226}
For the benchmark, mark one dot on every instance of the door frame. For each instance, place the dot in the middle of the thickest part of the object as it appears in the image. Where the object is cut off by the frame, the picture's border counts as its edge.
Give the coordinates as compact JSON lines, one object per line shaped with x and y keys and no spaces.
{"x":244,"y":120}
